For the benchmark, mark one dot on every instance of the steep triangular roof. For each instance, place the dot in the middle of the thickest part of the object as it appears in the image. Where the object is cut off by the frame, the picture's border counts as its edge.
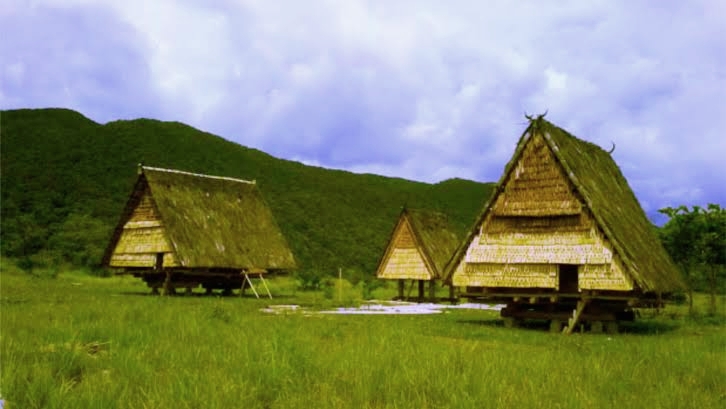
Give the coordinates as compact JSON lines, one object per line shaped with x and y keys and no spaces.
{"x":432,"y":236}
{"x":210,"y":221}
{"x":604,"y":190}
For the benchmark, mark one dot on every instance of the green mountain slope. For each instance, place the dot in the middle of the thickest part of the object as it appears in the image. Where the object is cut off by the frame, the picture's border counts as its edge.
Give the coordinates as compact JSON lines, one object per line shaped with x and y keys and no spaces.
{"x":65,"y":179}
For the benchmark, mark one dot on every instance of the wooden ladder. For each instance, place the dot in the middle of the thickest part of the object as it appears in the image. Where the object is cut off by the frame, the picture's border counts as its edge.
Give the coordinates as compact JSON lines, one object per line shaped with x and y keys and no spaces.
{"x":247,"y":279}
{"x":572,"y":322}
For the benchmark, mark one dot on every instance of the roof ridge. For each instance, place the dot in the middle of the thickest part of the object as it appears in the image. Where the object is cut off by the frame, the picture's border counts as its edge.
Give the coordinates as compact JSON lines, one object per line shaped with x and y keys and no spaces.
{"x":251,"y":182}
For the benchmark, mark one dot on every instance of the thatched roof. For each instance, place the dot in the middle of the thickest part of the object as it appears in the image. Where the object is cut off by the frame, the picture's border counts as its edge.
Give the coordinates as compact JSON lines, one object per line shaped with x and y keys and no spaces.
{"x":598,"y":180}
{"x":432,"y":235}
{"x":211,"y":221}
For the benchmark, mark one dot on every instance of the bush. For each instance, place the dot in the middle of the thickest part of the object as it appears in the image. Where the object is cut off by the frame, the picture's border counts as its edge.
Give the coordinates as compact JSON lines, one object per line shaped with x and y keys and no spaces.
{"x":309,"y":280}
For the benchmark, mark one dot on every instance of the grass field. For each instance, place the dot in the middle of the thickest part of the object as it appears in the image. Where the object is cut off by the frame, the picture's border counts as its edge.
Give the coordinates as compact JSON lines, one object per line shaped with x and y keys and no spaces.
{"x":83,"y":342}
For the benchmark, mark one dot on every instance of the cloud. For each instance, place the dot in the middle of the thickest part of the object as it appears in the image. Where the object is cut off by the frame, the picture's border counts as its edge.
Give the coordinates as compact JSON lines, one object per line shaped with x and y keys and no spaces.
{"x":82,"y":58}
{"x":418,"y":89}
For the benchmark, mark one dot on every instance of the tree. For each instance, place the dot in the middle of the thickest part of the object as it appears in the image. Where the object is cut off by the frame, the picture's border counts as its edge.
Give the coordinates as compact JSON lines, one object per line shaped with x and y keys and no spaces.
{"x":81,"y":240}
{"x":696,"y":241}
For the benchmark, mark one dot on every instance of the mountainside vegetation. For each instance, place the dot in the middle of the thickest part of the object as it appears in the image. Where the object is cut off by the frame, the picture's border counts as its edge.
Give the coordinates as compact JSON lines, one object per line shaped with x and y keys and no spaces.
{"x":65,"y":180}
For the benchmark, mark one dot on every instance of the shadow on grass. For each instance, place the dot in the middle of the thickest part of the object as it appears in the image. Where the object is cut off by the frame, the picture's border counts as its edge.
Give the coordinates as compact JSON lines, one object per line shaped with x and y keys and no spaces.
{"x":642,"y":327}
{"x":648,"y":327}
{"x":216,"y":294}
{"x":536,"y":325}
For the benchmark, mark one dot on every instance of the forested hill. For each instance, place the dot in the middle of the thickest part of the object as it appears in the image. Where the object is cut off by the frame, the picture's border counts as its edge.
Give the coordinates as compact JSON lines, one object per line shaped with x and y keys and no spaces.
{"x":65,"y":179}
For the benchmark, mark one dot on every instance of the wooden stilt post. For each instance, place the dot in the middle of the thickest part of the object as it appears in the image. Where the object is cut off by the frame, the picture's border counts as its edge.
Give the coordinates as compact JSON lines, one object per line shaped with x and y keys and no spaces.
{"x":340,"y":285}
{"x":420,"y":290}
{"x":432,"y":290}
{"x":451,"y":294}
{"x":167,"y":283}
{"x":401,"y":285}
{"x":410,"y":288}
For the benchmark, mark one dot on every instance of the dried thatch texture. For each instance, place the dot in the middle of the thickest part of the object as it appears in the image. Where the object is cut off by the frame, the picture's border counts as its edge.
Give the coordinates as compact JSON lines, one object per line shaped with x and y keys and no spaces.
{"x":420,"y":247}
{"x":562,"y":200}
{"x":511,"y":275}
{"x":197,"y":221}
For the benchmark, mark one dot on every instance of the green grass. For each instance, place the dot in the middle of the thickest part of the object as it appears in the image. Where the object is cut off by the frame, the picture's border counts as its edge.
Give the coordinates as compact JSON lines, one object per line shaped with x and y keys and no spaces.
{"x":83,"y":342}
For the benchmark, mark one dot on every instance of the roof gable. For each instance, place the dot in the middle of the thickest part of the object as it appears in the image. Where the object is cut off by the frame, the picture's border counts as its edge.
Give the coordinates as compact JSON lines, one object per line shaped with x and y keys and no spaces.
{"x":426,"y":231}
{"x":536,"y":185}
{"x":603,"y":189}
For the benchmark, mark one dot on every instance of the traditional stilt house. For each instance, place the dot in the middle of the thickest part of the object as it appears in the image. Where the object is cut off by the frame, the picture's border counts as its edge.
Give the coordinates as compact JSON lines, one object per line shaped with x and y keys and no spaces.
{"x":420,"y":246}
{"x":564,"y":238}
{"x":181,"y":229}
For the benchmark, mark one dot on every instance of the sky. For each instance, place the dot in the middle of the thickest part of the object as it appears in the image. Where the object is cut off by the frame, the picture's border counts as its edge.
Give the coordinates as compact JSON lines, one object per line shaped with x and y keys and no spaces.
{"x":424,"y":90}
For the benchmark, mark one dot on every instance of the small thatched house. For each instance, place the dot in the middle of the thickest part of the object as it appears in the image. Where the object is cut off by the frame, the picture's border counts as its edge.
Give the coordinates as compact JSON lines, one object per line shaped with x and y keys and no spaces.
{"x":563,"y":236}
{"x":419,"y":248}
{"x":181,"y":229}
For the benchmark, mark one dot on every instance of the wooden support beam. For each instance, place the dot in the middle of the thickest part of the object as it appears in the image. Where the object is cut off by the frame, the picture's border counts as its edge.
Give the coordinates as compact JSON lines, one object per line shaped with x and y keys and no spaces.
{"x":532,"y":300}
{"x":167,"y":284}
{"x":575,"y":317}
{"x":611,"y":327}
{"x":401,"y":288}
{"x":432,"y":290}
{"x":264,"y":284}
{"x":556,"y":326}
{"x":247,"y":278}
{"x":248,"y":281}
{"x":420,"y":290}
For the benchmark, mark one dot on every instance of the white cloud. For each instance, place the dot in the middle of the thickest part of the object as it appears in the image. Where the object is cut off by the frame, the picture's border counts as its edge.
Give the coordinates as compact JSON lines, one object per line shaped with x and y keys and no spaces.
{"x":428,"y":90}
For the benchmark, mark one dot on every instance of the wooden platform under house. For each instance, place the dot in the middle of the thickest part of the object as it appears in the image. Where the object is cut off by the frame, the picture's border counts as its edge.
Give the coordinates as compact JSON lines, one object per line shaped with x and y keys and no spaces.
{"x":185,"y":230}
{"x":418,"y":250}
{"x":563,"y":238}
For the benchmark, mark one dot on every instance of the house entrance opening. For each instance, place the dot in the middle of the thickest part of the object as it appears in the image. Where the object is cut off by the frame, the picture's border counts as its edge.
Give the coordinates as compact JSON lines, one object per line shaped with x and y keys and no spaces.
{"x":568,"y":278}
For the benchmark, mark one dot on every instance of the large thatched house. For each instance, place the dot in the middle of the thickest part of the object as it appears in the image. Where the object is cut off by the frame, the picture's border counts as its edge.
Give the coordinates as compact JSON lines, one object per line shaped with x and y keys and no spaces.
{"x":181,"y":229}
{"x":418,"y":250}
{"x":564,"y":237}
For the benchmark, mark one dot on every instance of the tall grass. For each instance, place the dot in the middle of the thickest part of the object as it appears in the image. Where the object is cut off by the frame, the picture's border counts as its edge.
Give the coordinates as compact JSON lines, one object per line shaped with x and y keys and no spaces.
{"x":85,"y":342}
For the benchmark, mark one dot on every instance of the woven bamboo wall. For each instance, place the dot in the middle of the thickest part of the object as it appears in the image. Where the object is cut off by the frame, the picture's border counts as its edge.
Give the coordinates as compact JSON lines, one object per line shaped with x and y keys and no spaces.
{"x":536,"y":186}
{"x":404,"y":237}
{"x":404,"y":260}
{"x":508,"y":275}
{"x":548,"y":254}
{"x":405,"y":264}
{"x":142,"y":238}
{"x":604,"y":276}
